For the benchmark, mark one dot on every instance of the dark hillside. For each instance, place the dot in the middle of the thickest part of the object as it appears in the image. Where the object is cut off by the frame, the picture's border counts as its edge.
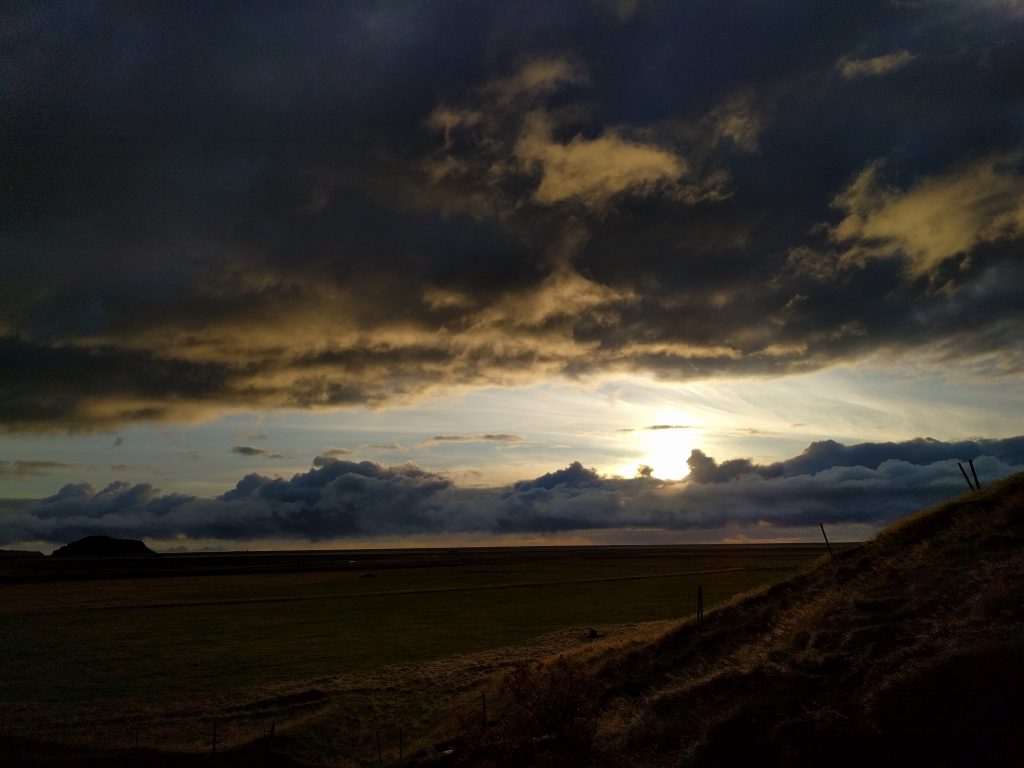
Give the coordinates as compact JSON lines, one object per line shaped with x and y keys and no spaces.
{"x":908,"y":650}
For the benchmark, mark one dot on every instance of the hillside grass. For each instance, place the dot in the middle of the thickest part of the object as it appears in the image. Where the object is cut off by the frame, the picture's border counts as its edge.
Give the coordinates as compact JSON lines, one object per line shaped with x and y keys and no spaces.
{"x":906,"y":650}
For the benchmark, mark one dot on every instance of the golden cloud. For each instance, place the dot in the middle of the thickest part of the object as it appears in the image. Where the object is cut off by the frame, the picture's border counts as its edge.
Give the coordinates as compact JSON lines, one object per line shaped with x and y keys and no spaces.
{"x":851,"y":69}
{"x":937,"y":218}
{"x":504,"y":141}
{"x":592,"y":171}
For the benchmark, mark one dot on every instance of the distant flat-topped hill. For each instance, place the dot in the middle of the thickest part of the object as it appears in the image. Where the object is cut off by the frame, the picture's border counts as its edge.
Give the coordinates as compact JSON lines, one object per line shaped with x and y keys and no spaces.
{"x":19,"y":553}
{"x":104,"y":546}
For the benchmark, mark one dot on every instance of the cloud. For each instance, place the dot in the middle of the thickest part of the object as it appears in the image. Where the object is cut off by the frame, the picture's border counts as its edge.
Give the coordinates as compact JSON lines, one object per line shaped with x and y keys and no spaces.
{"x":355,"y":207}
{"x":508,"y":139}
{"x":336,"y":453}
{"x":31,"y":467}
{"x":492,"y":438}
{"x":329,"y":455}
{"x":851,"y":68}
{"x":656,"y":428}
{"x":826,"y":454}
{"x":593,"y":171}
{"x":868,"y":485}
{"x":937,"y":218}
{"x":536,"y":78}
{"x":248,"y":450}
{"x":736,"y":120}
{"x":251,"y":435}
{"x":622,"y":8}
{"x":704,"y":469}
{"x":573,"y":476}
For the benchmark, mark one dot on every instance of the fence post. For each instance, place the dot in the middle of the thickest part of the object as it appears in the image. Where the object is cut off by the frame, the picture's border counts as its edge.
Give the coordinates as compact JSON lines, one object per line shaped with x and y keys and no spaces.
{"x":483,"y":708}
{"x":700,"y":604}
{"x":380,"y":755}
{"x":964,"y":473}
{"x":213,"y":742}
{"x":827,"y":544}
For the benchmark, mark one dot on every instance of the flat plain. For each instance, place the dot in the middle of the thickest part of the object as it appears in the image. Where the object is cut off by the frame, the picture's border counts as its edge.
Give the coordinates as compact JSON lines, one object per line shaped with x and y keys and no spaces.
{"x":203,"y":634}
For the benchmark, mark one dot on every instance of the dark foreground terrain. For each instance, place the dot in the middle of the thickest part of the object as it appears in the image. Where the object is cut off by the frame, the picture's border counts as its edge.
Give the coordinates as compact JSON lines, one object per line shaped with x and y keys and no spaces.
{"x":907,"y":650}
{"x":177,"y":653}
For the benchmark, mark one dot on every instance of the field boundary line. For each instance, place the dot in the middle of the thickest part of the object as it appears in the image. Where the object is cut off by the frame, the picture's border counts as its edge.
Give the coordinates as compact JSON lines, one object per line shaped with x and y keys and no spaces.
{"x":424,"y":591}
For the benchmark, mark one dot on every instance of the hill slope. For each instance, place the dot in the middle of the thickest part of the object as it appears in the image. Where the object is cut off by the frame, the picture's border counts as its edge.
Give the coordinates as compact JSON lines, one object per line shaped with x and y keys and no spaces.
{"x":906,"y":650}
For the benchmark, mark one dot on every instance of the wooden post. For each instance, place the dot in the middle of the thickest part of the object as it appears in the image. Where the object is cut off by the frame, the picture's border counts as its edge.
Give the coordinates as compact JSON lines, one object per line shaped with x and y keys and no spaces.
{"x":976,"y":483}
{"x":401,"y":745}
{"x":822,"y":526}
{"x":138,"y":727}
{"x":213,"y":742}
{"x":700,"y":604}
{"x":964,"y":473}
{"x":273,"y":732}
{"x":380,"y":755}
{"x":483,"y":707}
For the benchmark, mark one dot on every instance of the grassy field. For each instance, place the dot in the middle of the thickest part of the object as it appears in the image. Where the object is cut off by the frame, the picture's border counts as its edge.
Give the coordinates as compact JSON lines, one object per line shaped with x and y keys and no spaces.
{"x":114,"y":644}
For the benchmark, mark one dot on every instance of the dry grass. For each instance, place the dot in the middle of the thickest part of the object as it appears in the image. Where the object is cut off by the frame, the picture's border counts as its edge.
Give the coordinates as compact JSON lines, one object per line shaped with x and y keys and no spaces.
{"x":334,"y":659}
{"x":904,"y":650}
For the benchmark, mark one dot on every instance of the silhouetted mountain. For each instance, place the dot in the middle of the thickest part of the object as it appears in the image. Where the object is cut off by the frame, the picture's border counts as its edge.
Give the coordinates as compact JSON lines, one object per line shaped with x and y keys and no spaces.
{"x":104,"y":546}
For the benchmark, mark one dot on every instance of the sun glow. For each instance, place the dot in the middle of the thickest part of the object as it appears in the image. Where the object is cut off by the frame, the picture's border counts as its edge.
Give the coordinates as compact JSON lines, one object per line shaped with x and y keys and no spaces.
{"x":664,"y":445}
{"x":666,"y":451}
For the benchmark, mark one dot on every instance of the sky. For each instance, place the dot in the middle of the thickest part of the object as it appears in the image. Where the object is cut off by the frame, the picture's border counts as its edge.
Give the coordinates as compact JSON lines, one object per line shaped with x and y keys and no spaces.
{"x":357,"y":274}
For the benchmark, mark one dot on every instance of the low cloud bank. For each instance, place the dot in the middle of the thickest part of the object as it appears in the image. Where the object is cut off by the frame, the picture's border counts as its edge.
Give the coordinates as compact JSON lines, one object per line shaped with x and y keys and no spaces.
{"x":824,"y":454}
{"x":869,"y":484}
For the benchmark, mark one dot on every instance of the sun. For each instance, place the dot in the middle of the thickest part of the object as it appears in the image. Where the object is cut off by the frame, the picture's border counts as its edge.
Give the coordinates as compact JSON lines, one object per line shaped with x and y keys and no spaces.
{"x":666,"y":450}
{"x":663,"y":443}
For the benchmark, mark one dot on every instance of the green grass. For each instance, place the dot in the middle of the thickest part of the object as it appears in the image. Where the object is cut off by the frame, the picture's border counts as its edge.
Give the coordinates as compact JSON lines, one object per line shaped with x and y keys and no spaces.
{"x":161,"y":640}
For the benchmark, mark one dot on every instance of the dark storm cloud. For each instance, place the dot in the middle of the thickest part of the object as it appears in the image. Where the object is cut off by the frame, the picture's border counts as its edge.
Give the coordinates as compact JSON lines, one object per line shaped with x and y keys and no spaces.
{"x":826,"y":454}
{"x":365,"y":203}
{"x":704,"y":469}
{"x":869,"y":484}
